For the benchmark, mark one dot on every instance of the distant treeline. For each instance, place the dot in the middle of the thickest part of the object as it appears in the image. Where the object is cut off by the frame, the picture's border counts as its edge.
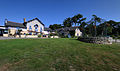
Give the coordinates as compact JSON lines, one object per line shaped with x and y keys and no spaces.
{"x":96,"y":26}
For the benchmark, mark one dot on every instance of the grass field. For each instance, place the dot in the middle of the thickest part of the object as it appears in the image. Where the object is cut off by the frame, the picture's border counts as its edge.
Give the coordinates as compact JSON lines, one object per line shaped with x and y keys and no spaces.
{"x":57,"y":55}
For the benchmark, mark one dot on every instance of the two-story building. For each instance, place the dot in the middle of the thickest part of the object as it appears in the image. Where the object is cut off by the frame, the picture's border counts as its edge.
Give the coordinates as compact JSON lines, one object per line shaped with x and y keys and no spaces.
{"x":31,"y":27}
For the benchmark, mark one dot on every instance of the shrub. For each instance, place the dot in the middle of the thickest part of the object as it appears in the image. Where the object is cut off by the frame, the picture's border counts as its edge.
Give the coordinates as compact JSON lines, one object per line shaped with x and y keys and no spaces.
{"x":39,"y":35}
{"x":53,"y":34}
{"x":72,"y":33}
{"x":113,"y":36}
{"x":118,"y":37}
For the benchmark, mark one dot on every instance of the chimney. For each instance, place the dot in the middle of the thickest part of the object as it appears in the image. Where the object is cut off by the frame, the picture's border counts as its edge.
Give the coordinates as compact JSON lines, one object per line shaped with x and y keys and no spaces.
{"x":6,"y":21}
{"x":24,"y":20}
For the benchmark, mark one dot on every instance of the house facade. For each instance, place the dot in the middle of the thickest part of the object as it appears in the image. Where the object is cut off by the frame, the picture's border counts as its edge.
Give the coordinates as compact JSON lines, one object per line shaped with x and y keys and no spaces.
{"x":32,"y":27}
{"x":69,"y":32}
{"x":78,"y":32}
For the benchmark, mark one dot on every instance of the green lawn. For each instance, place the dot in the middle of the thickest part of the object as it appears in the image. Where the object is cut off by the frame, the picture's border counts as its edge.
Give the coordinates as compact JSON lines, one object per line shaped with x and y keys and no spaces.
{"x":57,"y":55}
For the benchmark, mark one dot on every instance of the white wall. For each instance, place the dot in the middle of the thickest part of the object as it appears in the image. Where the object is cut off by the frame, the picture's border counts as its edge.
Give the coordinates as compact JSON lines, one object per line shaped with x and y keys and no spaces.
{"x":32,"y":23}
{"x":78,"y":32}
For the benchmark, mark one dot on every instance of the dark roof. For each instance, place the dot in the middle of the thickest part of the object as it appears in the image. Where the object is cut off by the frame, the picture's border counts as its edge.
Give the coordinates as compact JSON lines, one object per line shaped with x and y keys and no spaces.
{"x":35,"y":19}
{"x":74,"y":28}
{"x":21,"y":25}
{"x":67,"y":28}
{"x":14,"y":24}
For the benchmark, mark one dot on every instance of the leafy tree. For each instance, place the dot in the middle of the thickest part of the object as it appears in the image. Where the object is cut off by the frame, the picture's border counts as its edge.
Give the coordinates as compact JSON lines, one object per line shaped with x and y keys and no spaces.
{"x":115,"y":27}
{"x":95,"y":27}
{"x":104,"y":29}
{"x":72,"y":33}
{"x":89,"y":29}
{"x":78,"y":19}
{"x":55,"y":26}
{"x":82,"y":28}
{"x":74,"y":20}
{"x":67,"y":22}
{"x":94,"y":21}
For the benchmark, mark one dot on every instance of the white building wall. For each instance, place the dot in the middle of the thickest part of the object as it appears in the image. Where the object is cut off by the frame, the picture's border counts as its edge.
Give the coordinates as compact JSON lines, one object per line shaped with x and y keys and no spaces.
{"x":78,"y":32}
{"x":33,"y":23}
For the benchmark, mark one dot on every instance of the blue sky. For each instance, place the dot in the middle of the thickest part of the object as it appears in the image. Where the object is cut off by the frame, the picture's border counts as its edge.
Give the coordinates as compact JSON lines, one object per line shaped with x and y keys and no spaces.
{"x":55,"y":11}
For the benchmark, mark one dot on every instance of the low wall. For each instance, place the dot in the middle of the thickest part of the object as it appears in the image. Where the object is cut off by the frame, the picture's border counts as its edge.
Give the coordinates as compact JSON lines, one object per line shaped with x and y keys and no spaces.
{"x":97,"y":40}
{"x":5,"y":35}
{"x":27,"y":36}
{"x":54,"y":36}
{"x":21,"y":36}
{"x":116,"y":40}
{"x":31,"y":36}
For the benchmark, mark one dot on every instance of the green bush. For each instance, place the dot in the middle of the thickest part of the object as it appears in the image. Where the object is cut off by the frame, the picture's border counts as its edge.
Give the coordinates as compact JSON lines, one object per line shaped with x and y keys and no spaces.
{"x":72,"y":33}
{"x":118,"y":37}
{"x":39,"y":35}
{"x":53,"y":34}
{"x":113,"y":36}
{"x":48,"y":36}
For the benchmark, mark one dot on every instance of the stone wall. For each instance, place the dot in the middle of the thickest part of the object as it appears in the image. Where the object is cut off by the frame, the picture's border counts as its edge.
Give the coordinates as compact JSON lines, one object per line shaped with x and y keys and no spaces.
{"x":97,"y":40}
{"x":116,"y":40}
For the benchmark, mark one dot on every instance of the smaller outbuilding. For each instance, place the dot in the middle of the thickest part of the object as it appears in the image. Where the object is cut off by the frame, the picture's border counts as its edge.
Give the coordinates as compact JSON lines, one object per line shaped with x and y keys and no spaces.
{"x":69,"y":32}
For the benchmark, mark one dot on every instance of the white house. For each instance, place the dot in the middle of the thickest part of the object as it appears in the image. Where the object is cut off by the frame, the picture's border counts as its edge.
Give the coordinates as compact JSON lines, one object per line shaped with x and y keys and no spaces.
{"x":69,"y":31}
{"x":32,"y":27}
{"x":78,"y":32}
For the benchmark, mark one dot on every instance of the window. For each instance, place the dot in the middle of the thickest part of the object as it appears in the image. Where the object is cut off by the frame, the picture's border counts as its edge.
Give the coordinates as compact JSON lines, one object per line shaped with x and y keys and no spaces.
{"x":77,"y":34}
{"x":40,"y":29}
{"x":30,"y":33}
{"x":44,"y":35}
{"x":6,"y":31}
{"x":36,"y":27}
{"x":30,"y":28}
{"x":17,"y":28}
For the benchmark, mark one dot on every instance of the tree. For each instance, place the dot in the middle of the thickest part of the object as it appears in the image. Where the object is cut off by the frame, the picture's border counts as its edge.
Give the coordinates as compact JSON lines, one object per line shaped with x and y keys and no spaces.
{"x":78,"y":19}
{"x":82,"y":28}
{"x":94,"y":21}
{"x":67,"y":22}
{"x":74,"y":20}
{"x":55,"y":26}
{"x":115,"y":26}
{"x":89,"y":29}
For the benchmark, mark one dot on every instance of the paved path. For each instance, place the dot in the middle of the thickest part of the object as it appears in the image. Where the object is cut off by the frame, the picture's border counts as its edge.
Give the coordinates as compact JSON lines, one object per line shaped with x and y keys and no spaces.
{"x":4,"y":38}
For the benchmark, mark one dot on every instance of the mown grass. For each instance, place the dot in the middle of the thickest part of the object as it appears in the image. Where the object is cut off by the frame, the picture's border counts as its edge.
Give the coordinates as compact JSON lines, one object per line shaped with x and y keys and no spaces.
{"x":57,"y":55}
